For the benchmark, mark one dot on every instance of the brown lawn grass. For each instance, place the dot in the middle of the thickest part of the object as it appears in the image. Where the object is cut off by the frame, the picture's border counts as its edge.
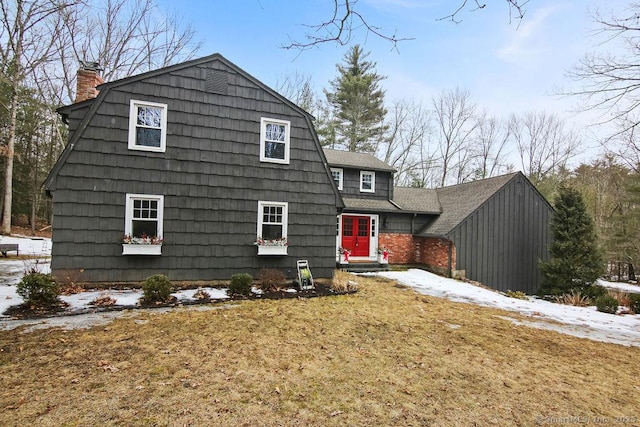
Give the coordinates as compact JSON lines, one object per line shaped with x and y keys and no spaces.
{"x":382,"y":356}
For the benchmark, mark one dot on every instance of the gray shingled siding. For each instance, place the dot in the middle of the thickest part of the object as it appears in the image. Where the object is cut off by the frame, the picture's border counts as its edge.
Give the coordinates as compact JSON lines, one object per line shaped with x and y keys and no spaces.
{"x":505,"y":257}
{"x":211,"y":179}
{"x":351,"y":185}
{"x":402,"y":223}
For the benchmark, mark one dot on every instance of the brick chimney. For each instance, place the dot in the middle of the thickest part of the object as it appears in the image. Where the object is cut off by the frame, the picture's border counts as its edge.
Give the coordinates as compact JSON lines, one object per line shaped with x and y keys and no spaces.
{"x":87,"y":80}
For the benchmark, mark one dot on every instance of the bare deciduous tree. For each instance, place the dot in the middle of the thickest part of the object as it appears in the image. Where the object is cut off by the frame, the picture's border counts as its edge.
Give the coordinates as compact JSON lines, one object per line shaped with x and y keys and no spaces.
{"x":346,"y":20}
{"x":490,"y":142}
{"x":455,"y":117}
{"x":625,"y":143}
{"x":27,"y":32}
{"x":298,"y":88}
{"x":609,"y":82}
{"x":406,"y":141}
{"x":544,"y":144}
{"x":124,"y":37}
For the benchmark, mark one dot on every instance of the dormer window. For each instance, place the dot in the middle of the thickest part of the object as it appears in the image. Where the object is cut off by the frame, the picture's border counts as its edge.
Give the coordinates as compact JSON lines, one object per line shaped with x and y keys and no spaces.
{"x":336,"y":173}
{"x":367,"y":182}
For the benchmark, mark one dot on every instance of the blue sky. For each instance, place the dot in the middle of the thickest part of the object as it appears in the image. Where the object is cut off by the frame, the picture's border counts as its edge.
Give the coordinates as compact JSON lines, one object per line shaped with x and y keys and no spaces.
{"x":507,"y":66}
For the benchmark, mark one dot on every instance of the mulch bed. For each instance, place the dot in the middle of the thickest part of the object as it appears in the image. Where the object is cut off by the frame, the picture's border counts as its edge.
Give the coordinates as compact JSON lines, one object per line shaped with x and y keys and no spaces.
{"x":24,"y":311}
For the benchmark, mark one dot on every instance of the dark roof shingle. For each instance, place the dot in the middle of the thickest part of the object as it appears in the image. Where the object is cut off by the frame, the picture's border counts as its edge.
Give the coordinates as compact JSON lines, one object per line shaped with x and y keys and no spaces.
{"x":417,"y":200}
{"x":460,"y":201}
{"x":350,"y":159}
{"x":372,"y":205}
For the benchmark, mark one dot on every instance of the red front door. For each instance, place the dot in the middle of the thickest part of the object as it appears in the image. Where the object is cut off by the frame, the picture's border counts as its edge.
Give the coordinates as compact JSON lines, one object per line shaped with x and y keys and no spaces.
{"x":355,"y":234}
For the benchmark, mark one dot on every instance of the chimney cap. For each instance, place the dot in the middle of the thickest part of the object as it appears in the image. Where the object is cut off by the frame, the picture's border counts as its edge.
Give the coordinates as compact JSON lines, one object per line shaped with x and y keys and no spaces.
{"x":90,"y":66}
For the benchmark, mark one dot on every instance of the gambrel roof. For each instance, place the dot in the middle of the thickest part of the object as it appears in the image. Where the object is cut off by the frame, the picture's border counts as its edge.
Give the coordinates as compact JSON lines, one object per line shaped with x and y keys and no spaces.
{"x":211,"y":82}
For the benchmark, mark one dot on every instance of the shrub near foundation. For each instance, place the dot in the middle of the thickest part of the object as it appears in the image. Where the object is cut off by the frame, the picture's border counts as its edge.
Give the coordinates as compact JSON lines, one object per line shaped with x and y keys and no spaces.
{"x":240,"y":284}
{"x":271,"y":279}
{"x":39,"y":290}
{"x":157,"y":289}
{"x":343,"y":282}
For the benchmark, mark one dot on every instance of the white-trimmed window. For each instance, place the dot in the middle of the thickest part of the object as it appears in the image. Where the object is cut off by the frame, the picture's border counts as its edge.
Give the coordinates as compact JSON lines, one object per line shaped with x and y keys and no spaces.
{"x":147,"y":126}
{"x":367,"y":182}
{"x":336,"y":174}
{"x":272,"y":228}
{"x":274,"y":140}
{"x":144,"y":216}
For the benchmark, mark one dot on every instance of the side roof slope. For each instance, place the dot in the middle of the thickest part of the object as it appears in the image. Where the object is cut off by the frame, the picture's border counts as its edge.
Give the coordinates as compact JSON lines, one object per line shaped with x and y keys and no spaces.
{"x":460,"y":201}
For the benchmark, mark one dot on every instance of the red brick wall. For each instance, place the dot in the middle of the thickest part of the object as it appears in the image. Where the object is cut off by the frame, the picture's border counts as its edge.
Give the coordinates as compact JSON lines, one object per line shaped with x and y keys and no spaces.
{"x":407,"y":249}
{"x":435,"y":252}
{"x":402,"y":246}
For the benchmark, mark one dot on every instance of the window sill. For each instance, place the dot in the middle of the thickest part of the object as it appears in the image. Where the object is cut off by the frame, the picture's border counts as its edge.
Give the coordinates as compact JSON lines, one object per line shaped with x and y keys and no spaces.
{"x":129,"y":249}
{"x":272,"y":250}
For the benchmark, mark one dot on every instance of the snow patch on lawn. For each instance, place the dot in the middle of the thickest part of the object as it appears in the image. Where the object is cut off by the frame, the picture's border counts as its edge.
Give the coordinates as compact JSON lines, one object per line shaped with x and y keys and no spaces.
{"x":584,"y":322}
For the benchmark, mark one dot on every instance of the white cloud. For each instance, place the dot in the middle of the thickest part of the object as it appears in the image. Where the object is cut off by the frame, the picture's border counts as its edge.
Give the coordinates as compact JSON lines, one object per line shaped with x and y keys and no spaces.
{"x":529,"y":40}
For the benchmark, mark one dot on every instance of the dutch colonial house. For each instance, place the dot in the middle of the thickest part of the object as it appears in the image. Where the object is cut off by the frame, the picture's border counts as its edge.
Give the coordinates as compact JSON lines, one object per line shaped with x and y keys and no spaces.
{"x":197,"y":171}
{"x":493,"y":231}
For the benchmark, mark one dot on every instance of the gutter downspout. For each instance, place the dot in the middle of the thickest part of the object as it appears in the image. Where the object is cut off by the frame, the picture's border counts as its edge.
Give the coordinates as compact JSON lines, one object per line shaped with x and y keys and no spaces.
{"x":450,"y":258}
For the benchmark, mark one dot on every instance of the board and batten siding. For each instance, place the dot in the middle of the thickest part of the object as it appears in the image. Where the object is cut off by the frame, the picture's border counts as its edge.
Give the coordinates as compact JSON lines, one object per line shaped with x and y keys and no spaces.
{"x":501,"y":243}
{"x":210,"y":176}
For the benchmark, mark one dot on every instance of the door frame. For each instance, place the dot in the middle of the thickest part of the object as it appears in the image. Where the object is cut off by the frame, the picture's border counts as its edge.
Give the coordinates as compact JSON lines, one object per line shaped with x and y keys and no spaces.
{"x":374,"y":224}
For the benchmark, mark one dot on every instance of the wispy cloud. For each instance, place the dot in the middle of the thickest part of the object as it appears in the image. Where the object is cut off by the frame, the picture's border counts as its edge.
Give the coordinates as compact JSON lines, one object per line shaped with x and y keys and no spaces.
{"x":529,"y":40}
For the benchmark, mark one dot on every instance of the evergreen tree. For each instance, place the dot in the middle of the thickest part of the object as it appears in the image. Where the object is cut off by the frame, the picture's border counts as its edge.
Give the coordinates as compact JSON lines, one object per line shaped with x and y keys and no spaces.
{"x":358,"y":102}
{"x":575,"y":261}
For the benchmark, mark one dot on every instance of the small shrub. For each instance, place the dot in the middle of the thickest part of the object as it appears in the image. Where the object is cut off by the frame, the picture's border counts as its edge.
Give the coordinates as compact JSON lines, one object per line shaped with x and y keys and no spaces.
{"x":271,"y":279}
{"x":39,"y":289}
{"x":157,"y":290}
{"x":594,"y":291}
{"x":634,"y":303}
{"x":607,"y":304}
{"x":240,"y":284}
{"x":574,"y":298}
{"x":343,"y":282}
{"x":517,"y":295}
{"x":621,"y":296}
{"x":103,"y":301}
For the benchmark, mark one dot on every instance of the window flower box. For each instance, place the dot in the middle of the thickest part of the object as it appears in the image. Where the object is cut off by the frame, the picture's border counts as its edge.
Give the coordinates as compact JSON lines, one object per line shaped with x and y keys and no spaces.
{"x":272,"y":247}
{"x":144,"y":245}
{"x":272,"y":250}
{"x":136,"y":249}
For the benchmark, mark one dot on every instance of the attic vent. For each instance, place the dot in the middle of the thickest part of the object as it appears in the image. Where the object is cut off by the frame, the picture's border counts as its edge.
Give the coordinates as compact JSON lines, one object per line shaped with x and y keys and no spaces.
{"x":216,"y":82}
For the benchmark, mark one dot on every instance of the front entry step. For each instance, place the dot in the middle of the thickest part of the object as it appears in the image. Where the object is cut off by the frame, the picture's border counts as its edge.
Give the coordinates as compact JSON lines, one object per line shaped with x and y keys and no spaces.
{"x":363,"y":267}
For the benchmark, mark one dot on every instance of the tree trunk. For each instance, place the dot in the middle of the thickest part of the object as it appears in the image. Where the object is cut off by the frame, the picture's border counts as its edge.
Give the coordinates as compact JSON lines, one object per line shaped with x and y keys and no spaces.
{"x":8,"y":173}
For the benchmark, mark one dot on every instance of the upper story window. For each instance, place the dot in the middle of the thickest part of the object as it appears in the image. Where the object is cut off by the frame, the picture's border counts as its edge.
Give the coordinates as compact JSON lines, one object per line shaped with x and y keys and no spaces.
{"x":336,"y":173}
{"x":147,"y":126}
{"x":144,"y":215}
{"x":367,"y":182}
{"x":274,"y":140}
